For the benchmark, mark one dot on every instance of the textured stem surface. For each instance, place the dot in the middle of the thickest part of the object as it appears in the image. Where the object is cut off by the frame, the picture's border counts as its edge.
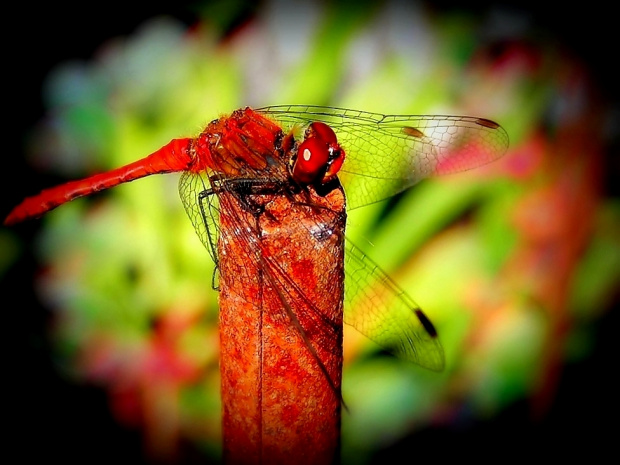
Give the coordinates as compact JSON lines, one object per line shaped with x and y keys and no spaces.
{"x":281,"y":303}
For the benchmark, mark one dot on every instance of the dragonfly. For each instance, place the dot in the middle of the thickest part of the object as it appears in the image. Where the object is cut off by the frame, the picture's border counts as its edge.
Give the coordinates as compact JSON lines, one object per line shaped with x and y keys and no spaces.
{"x":285,"y":149}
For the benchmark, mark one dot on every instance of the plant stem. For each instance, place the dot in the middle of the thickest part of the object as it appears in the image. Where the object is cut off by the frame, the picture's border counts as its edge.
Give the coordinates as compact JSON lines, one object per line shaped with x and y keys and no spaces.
{"x":281,"y":304}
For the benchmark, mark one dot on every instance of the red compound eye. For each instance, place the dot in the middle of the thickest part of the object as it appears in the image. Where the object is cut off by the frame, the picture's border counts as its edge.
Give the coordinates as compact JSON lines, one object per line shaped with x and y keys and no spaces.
{"x":312,"y":158}
{"x":323,"y":132}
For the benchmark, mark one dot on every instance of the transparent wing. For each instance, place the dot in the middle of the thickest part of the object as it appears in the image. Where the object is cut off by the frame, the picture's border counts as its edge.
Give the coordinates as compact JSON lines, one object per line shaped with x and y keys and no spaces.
{"x":386,"y":154}
{"x":202,"y":209}
{"x":383,"y":312}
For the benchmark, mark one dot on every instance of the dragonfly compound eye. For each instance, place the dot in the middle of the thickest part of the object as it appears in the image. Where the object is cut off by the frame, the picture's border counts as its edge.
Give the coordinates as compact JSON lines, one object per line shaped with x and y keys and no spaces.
{"x":323,"y":132}
{"x":319,"y":157}
{"x":312,"y":160}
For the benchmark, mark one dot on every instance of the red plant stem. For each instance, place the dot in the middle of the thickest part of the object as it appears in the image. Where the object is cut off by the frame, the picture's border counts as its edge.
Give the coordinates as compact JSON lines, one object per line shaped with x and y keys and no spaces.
{"x":281,"y":353}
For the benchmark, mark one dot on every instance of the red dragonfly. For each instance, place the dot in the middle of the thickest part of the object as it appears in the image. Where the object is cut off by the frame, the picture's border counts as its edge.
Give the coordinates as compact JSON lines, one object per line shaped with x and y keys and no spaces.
{"x":284,"y":149}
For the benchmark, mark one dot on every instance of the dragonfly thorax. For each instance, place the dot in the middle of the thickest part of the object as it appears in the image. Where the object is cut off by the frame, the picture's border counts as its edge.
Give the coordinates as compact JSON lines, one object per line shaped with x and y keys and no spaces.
{"x":244,"y":144}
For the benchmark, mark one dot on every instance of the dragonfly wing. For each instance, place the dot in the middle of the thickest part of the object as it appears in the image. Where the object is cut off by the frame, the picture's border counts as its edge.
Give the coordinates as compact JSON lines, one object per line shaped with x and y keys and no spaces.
{"x":202,"y":207}
{"x":382,"y":311}
{"x":386,"y":154}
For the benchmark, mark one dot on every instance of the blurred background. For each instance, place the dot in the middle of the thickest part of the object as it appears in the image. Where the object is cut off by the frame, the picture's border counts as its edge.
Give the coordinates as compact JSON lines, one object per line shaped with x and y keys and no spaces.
{"x":112,"y":323}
